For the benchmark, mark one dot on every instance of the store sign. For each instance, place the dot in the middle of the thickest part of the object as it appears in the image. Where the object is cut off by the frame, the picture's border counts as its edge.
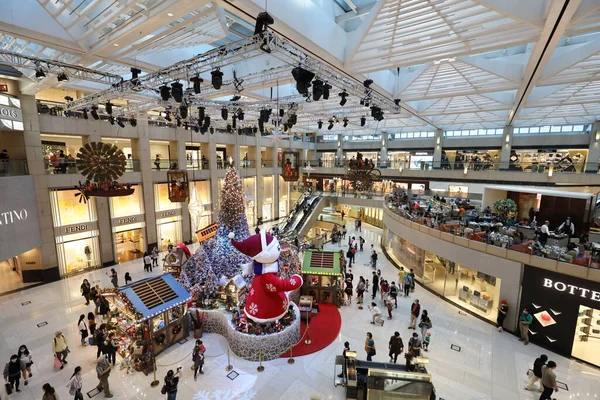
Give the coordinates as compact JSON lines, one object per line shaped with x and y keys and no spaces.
{"x":11,"y":116}
{"x":75,"y":228}
{"x":19,"y":226}
{"x":168,"y":213}
{"x":572,"y":289}
{"x":128,"y":220}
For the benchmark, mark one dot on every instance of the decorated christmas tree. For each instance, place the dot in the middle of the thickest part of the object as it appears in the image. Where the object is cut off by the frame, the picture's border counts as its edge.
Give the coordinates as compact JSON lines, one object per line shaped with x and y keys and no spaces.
{"x":198,"y":275}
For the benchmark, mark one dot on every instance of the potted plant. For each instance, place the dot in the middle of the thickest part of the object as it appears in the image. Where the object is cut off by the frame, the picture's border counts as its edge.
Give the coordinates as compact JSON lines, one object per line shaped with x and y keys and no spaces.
{"x":505,"y":208}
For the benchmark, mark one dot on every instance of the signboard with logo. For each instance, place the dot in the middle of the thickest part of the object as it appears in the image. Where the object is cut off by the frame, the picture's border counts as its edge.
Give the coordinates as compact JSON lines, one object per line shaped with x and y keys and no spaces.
{"x":76,"y":228}
{"x":128,"y":220}
{"x":558,"y":304}
{"x":11,"y":116}
{"x":19,"y":225}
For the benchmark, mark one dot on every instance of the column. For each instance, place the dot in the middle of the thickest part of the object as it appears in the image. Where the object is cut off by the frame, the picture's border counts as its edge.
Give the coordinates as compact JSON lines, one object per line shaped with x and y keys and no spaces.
{"x":339,"y":154}
{"x":214,"y":179}
{"x":506,"y":147}
{"x":383,"y":155}
{"x":594,"y":149}
{"x":141,"y":147}
{"x":178,"y":150}
{"x":437,"y":152}
{"x":33,"y":148}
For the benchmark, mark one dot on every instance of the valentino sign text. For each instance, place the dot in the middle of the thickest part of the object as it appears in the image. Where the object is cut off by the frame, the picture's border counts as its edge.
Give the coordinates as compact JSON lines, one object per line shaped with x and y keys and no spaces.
{"x":10,"y":217}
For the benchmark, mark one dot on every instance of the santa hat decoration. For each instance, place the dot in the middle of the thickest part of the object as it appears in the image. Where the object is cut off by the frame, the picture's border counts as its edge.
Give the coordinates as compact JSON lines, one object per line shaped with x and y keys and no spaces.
{"x":251,"y":246}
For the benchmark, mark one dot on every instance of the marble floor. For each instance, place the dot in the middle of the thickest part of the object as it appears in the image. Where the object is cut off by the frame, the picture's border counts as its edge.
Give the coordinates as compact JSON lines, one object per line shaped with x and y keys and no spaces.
{"x":491,"y":365}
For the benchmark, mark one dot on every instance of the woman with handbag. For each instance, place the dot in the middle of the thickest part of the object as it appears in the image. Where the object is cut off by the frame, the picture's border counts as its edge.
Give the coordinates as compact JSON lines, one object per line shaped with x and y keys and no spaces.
{"x":370,"y":346}
{"x":76,"y":384}
{"x":425,"y":323}
{"x":49,"y":392}
{"x":110,"y":348}
{"x":26,"y":362}
{"x":171,"y":382}
{"x":198,"y":358}
{"x":12,"y":374}
{"x":83,"y":329}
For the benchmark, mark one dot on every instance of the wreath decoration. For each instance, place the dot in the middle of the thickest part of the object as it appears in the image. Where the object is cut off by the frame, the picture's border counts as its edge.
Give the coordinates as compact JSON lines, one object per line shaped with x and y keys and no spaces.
{"x":176,"y":329}
{"x":160,"y":339}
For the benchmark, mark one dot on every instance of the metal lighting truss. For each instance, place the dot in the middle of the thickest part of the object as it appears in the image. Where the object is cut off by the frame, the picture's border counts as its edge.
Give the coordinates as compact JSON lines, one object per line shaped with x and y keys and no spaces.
{"x":56,"y":67}
{"x":234,"y":53}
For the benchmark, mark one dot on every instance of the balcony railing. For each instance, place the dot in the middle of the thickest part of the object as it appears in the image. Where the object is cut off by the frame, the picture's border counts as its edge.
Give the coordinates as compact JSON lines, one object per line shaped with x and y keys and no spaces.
{"x":484,"y":229}
{"x":13,"y":167}
{"x":69,"y":167}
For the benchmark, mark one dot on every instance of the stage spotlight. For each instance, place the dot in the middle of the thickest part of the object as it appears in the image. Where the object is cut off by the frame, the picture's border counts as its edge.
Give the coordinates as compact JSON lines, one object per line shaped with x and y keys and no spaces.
{"x":320,"y":124}
{"x":168,"y":116}
{"x":228,"y":128}
{"x":262,"y":21}
{"x":234,"y":121}
{"x":62,"y":77}
{"x":201,"y":114}
{"x":217,"y":78}
{"x":39,"y":71}
{"x":240,"y":114}
{"x":177,"y":91}
{"x":203,"y":130}
{"x":111,"y":119}
{"x":254,"y":130}
{"x":368,"y":83}
{"x":165,"y":92}
{"x":94,"y":113}
{"x":120,"y":122}
{"x":303,"y":79}
{"x":235,"y":98}
{"x":108,"y":107}
{"x":239,"y":131}
{"x":135,"y":73}
{"x":179,"y":122}
{"x":345,"y":122}
{"x":326,"y":88}
{"x":281,"y":112}
{"x":85,"y":114}
{"x":224,"y":114}
{"x":212,"y":130}
{"x":317,"y":89}
{"x":183,"y":111}
{"x":196,"y":81}
{"x":330,"y":127}
{"x":133,"y":121}
{"x":362,"y":102}
{"x":264,"y":115}
{"x":397,"y":101}
{"x":196,"y":128}
{"x":207,"y":122}
{"x":363,"y":121}
{"x":293,"y":120}
{"x":261,"y":126}
{"x":343,"y":95}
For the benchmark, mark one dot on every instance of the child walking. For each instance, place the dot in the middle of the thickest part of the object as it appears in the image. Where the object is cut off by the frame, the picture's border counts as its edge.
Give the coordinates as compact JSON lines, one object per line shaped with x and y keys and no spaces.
{"x":427,"y":341}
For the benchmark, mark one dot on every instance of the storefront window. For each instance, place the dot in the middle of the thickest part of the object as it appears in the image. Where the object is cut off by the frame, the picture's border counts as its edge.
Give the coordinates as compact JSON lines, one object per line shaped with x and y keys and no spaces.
{"x":169,"y":232}
{"x":161,"y":196}
{"x":130,"y":242}
{"x":158,"y":322}
{"x":200,"y":205}
{"x":267,"y":213}
{"x":77,"y":253}
{"x":249,"y":187}
{"x":128,"y":205}
{"x":284,"y":190}
{"x":67,"y":210}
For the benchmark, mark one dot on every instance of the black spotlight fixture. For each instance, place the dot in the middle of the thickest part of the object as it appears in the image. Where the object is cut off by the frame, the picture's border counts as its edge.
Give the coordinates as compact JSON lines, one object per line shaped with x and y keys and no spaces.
{"x":303,"y":79}
{"x":111,"y":119}
{"x":62,"y":77}
{"x":281,"y":112}
{"x":254,"y":130}
{"x":168,"y":116}
{"x":262,"y":22}
{"x":326,"y":88}
{"x":39,"y":71}
{"x":206,"y":122}
{"x":261,"y":126}
{"x":228,"y":128}
{"x":240,"y":114}
{"x":224,"y":113}
{"x":363,"y":121}
{"x":201,"y":113}
{"x":183,"y":111}
{"x":178,"y":119}
{"x":202,"y":130}
{"x":85,"y":114}
{"x":293,"y":120}
{"x":108,"y":107}
{"x":397,"y":102}
{"x":135,"y":73}
{"x":317,"y":89}
{"x":120,"y":122}
{"x":196,"y":81}
{"x":196,"y":128}
{"x":133,"y":122}
{"x":165,"y":92}
{"x":362,"y":102}
{"x":212,"y":131}
{"x":237,"y":97}
{"x":234,"y":121}
{"x":345,"y":122}
{"x":330,"y":127}
{"x":94,"y":112}
{"x":217,"y":78}
{"x":68,"y":99}
{"x":177,"y":91}
{"x":343,"y":95}
{"x":320,"y":124}
{"x":368,"y":83}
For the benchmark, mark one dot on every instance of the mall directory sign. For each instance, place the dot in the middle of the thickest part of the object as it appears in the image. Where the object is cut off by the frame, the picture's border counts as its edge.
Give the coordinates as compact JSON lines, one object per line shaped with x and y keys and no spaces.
{"x":558,"y":302}
{"x":19,"y":226}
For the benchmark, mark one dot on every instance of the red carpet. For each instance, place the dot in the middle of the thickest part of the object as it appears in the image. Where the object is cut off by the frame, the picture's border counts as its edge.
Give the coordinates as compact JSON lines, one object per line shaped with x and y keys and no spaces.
{"x":324,"y":328}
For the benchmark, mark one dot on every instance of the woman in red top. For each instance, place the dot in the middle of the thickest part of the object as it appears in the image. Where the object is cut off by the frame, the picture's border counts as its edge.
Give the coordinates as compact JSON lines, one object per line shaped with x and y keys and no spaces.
{"x":198,"y":358}
{"x":384,"y":289}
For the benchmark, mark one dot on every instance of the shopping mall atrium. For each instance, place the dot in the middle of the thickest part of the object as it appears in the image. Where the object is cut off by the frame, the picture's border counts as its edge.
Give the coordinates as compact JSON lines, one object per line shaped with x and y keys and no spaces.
{"x":282,"y":180}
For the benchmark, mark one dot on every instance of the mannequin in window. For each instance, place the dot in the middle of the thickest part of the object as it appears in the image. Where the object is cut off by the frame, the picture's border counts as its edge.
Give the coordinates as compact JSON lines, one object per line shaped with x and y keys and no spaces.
{"x":88,"y":255}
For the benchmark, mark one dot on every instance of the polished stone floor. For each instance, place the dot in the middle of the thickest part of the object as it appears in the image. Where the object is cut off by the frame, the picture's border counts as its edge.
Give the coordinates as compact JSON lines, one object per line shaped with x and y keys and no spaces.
{"x":490,"y":365}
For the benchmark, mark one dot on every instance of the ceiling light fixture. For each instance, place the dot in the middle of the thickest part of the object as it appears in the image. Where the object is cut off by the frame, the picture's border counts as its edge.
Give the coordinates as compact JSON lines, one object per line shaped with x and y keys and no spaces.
{"x":165,"y":92}
{"x":343,"y":95}
{"x":94,"y":113}
{"x":317,"y":89}
{"x":326,"y":88}
{"x":224,"y":113}
{"x":345,"y":122}
{"x":303,"y":79}
{"x":320,"y":124}
{"x":217,"y":78}
{"x":133,"y":121}
{"x":62,"y":77}
{"x":206,"y":122}
{"x":330,"y":127}
{"x":170,"y":14}
{"x":108,"y":107}
{"x":39,"y":71}
{"x":111,"y":119}
{"x":85,"y":114}
{"x":363,"y":121}
{"x":183,"y":111}
{"x":177,"y":91}
{"x":196,"y":83}
{"x":120,"y":122}
{"x":201,"y":114}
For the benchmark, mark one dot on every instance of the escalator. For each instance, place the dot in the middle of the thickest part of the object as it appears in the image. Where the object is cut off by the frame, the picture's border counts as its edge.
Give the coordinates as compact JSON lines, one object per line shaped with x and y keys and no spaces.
{"x":301,"y":217}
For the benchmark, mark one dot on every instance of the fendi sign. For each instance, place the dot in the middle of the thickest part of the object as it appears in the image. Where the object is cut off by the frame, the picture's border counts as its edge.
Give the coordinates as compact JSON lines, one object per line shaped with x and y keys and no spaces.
{"x":130,"y":219}
{"x":168,"y":213}
{"x":75,"y":228}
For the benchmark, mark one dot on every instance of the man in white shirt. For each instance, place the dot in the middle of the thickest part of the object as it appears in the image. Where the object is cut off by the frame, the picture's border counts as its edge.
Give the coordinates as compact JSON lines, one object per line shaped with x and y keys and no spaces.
{"x":544,"y":232}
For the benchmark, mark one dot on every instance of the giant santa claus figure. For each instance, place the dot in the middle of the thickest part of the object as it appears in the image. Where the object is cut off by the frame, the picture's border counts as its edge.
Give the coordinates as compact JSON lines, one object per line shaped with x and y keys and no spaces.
{"x":267,"y":300}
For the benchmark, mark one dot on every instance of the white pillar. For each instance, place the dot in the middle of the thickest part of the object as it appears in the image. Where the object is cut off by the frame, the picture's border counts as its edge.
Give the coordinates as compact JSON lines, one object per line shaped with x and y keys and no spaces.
{"x":594,"y":149}
{"x":437,"y":150}
{"x":506,"y":147}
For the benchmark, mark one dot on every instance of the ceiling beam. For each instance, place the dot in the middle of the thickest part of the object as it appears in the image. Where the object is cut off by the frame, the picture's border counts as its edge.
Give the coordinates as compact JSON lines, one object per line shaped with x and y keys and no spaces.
{"x":360,"y":12}
{"x":558,"y":18}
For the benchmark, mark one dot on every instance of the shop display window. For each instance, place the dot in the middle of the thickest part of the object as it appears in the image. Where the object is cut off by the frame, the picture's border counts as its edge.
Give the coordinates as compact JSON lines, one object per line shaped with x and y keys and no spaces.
{"x":158,"y":322}
{"x":161,"y":198}
{"x":249,"y":187}
{"x":67,"y":210}
{"x":586,"y":343}
{"x":200,"y":207}
{"x":175,"y":313}
{"x":169,"y":232}
{"x":122,"y":206}
{"x":130,"y":242}
{"x":327,"y":281}
{"x":79,"y":252}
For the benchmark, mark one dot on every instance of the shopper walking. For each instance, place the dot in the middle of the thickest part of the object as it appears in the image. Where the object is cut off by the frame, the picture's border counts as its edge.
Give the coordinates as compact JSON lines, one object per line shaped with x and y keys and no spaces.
{"x":76,"y":384}
{"x":147,"y":262}
{"x":114,"y":278}
{"x":536,"y":374}
{"x":154,"y":257}
{"x":346,"y":348}
{"x":26,"y":363}
{"x":426,"y":341}
{"x":110,"y":348}
{"x":348,"y":290}
{"x":103,"y":369}
{"x":360,"y":290}
{"x":198,"y":358}
{"x":370,"y":346}
{"x":60,"y":348}
{"x":524,"y":322}
{"x":414,"y":350}
{"x":343,"y":213}
{"x":389,"y":305}
{"x":407,"y":284}
{"x":171,"y":382}
{"x":91,"y":323}
{"x":12,"y":372}
{"x":393,"y":291}
{"x":128,"y":279}
{"x":361,"y":242}
{"x":425,"y":323}
{"x":502,"y":310}
{"x":104,"y":309}
{"x":396,"y":347}
{"x":401,"y":275}
{"x":85,"y":291}
{"x":412,"y":280}
{"x":83,"y":329}
{"x":548,"y":381}
{"x":375,"y":285}
{"x":50,"y":392}
{"x":374,"y":259}
{"x":356,"y":224}
{"x":99,"y":339}
{"x":415,"y":310}
{"x":97,"y":298}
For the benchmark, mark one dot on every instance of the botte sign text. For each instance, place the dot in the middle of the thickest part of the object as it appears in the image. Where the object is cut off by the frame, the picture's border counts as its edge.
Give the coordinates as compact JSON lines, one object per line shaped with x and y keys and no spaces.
{"x":572,"y":289}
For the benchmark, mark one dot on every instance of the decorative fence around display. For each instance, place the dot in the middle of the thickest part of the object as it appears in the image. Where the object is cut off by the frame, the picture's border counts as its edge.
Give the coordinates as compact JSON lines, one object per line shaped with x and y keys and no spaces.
{"x":251,"y":347}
